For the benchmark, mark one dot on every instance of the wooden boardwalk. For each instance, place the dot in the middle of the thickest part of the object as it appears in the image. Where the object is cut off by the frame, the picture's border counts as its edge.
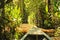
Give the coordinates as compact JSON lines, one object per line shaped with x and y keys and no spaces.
{"x":35,"y":31}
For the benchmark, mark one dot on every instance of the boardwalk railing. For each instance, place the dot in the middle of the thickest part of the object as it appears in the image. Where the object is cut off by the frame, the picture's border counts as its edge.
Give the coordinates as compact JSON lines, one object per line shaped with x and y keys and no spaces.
{"x":35,"y":31}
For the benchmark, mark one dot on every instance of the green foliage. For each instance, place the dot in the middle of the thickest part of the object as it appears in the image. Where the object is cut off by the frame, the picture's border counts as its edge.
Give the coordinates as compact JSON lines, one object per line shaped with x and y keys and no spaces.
{"x":0,"y":12}
{"x":12,"y":13}
{"x":18,"y":35}
{"x":32,"y":18}
{"x":32,"y":8}
{"x":14,"y":18}
{"x":46,"y":8}
{"x":57,"y":33}
{"x":32,"y":5}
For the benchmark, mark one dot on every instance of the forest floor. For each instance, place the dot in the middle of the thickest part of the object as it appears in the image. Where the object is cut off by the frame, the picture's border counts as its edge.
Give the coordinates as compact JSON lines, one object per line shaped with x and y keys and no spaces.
{"x":56,"y":38}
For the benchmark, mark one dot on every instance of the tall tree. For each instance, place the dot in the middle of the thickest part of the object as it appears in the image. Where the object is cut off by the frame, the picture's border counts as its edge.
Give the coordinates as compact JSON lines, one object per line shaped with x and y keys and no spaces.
{"x":24,"y":16}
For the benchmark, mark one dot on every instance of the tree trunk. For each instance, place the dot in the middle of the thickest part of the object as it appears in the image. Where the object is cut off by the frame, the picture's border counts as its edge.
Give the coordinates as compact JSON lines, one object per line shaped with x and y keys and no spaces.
{"x":24,"y":15}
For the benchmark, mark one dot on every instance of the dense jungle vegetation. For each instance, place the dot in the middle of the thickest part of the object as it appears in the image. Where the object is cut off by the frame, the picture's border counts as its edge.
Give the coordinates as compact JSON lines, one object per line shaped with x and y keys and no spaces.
{"x":42,"y":13}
